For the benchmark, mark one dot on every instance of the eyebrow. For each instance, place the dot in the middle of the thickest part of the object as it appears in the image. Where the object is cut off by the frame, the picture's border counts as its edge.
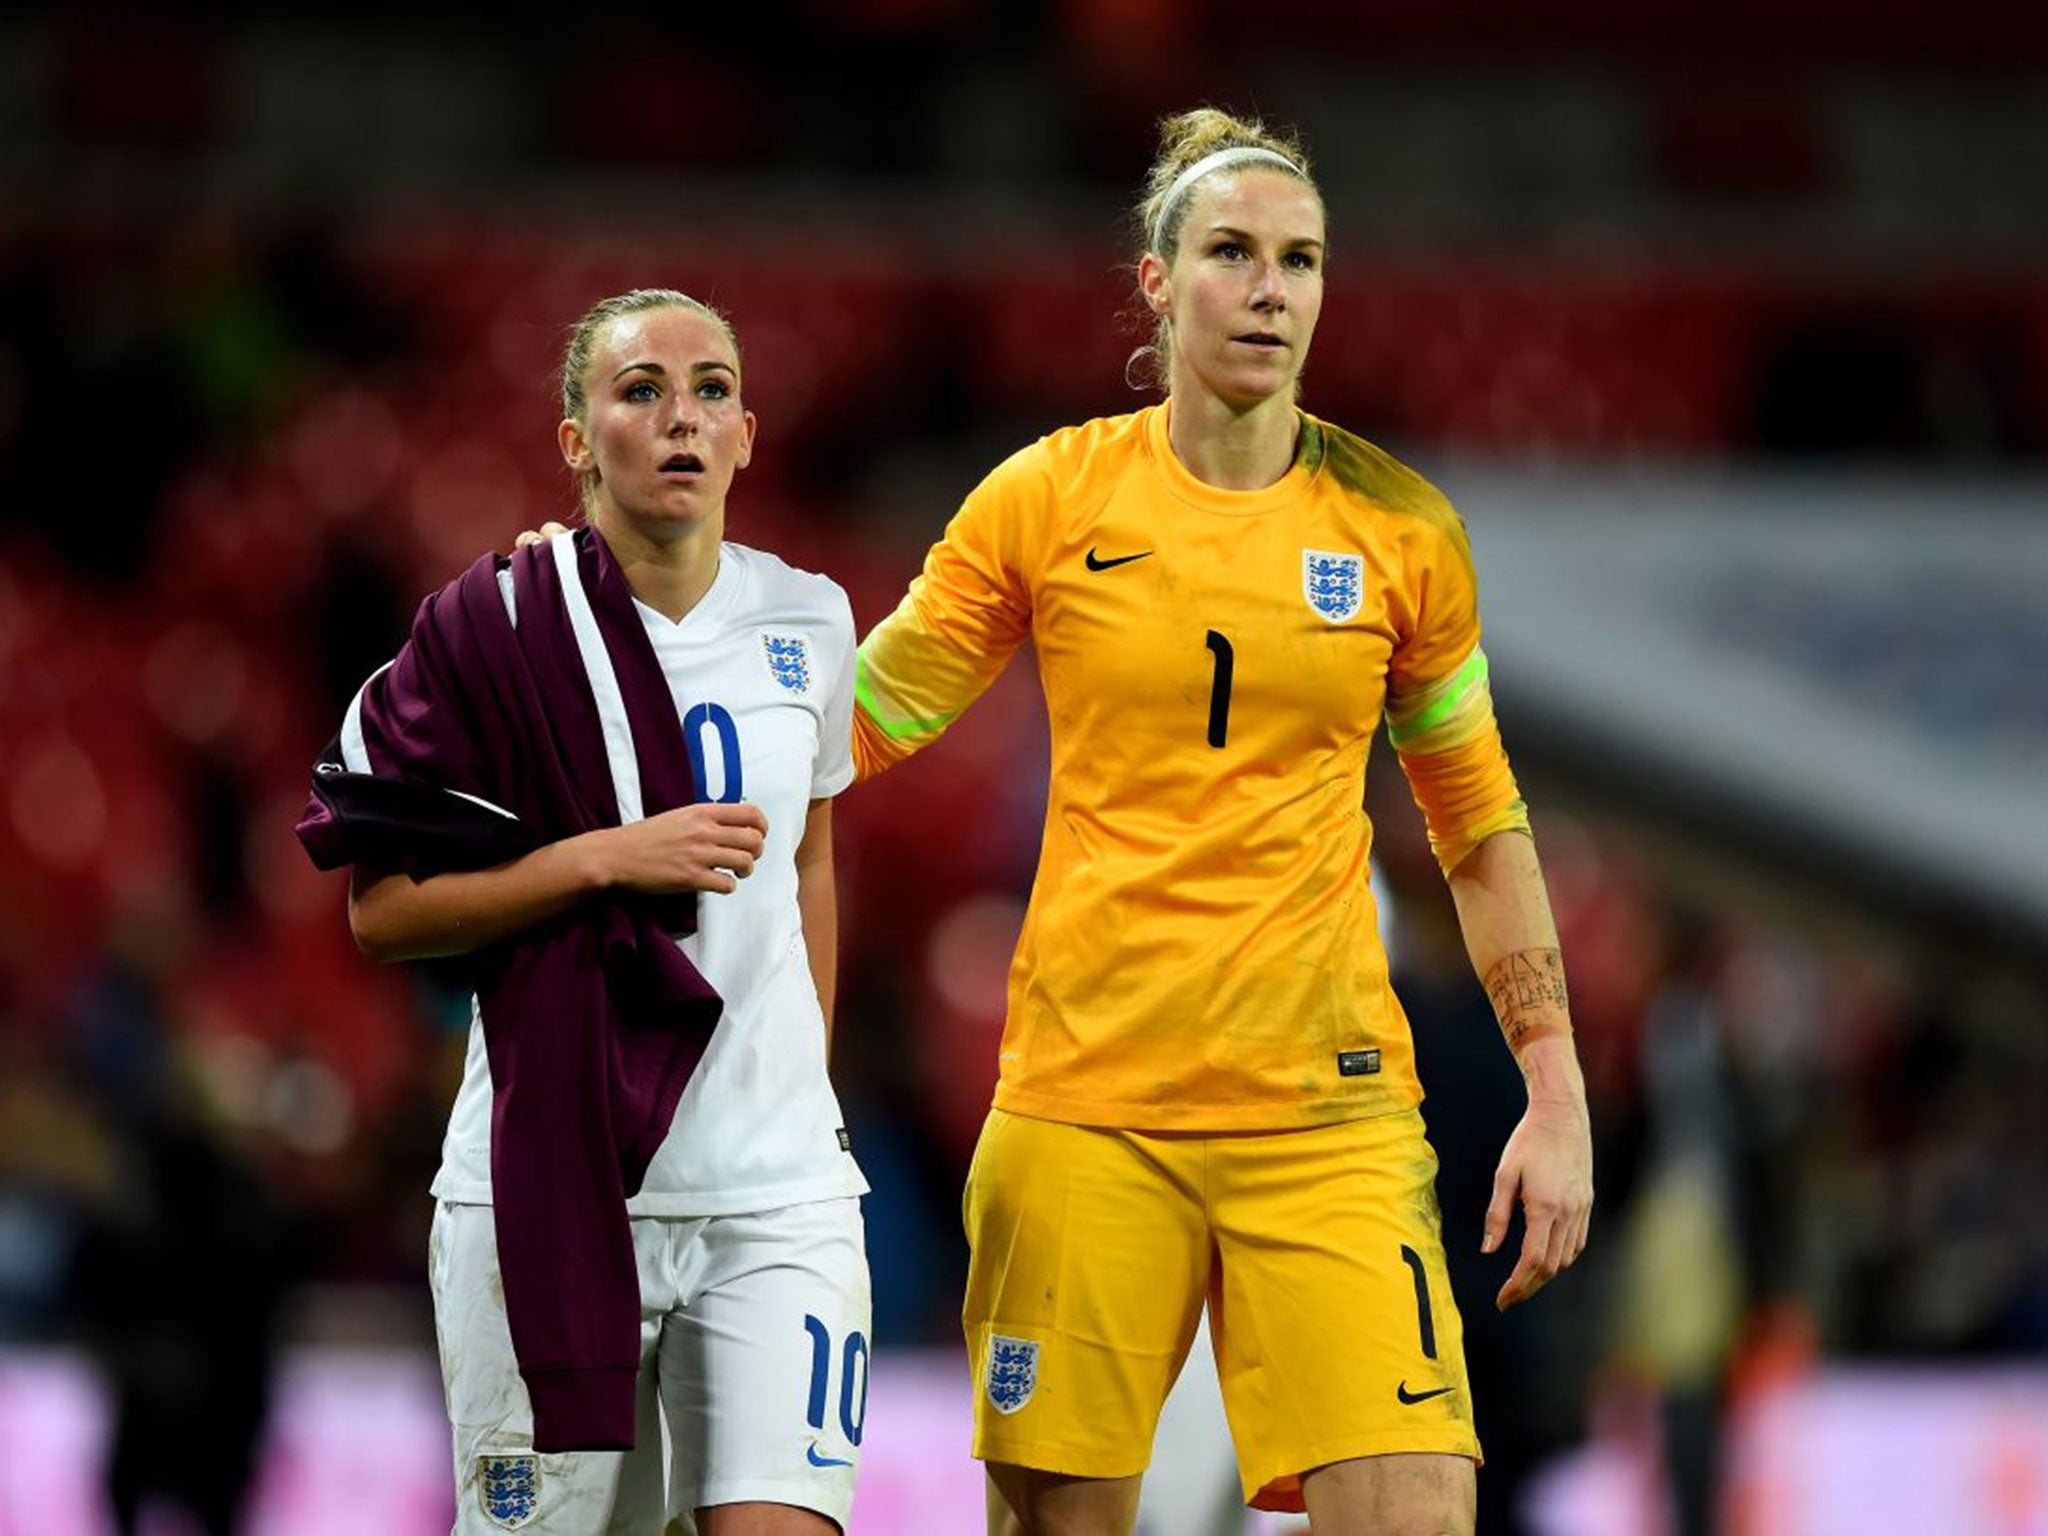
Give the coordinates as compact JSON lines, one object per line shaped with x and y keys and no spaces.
{"x":1300,"y":242}
{"x":710,"y":365}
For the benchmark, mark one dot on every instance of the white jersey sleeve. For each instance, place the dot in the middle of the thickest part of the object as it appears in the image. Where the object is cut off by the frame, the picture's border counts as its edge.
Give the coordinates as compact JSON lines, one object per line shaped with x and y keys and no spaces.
{"x":834,"y":770}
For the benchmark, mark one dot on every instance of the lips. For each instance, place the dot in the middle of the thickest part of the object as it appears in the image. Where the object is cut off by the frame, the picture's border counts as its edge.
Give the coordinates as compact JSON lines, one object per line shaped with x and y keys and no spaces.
{"x":682,"y":464}
{"x":1263,"y":339}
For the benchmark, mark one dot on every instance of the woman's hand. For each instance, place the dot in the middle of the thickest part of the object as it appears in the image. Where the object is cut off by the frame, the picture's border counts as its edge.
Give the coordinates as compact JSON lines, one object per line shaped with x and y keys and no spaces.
{"x":704,"y":847}
{"x":547,"y":531}
{"x":697,"y":848}
{"x":1549,"y":1164}
{"x":1512,"y":938}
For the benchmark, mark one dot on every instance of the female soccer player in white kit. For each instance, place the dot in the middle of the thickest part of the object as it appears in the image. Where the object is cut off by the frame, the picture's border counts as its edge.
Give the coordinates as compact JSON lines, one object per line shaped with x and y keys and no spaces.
{"x":746,"y":1230}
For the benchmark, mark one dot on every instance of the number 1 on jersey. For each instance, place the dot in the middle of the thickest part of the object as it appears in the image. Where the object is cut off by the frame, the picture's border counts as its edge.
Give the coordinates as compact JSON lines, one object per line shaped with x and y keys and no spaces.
{"x":1219,"y":691}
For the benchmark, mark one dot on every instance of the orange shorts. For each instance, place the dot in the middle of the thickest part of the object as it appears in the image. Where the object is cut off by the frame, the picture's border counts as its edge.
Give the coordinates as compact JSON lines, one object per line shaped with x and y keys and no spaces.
{"x":1318,"y":1253}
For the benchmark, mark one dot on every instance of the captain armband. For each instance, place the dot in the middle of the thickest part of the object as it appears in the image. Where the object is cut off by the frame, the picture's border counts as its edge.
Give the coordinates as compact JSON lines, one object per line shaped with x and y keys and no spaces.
{"x":1445,"y":714}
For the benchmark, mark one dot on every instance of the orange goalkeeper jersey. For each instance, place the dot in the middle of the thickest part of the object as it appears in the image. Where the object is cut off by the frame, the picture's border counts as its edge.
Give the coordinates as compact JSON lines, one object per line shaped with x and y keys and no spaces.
{"x":1201,"y":950}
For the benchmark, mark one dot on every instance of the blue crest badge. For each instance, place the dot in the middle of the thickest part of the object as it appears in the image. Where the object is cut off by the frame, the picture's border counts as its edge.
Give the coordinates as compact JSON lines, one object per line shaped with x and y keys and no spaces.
{"x":1333,"y":584}
{"x":509,"y":1489}
{"x":790,"y":660}
{"x":1012,"y":1372}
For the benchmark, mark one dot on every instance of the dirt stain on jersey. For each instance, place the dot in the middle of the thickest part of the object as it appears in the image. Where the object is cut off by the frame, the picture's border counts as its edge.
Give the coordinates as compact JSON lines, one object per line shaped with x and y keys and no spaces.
{"x":1375,"y":476}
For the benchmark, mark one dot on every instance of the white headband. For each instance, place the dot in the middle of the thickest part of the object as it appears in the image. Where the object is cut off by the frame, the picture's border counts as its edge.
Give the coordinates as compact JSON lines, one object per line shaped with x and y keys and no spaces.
{"x":1202,"y":167}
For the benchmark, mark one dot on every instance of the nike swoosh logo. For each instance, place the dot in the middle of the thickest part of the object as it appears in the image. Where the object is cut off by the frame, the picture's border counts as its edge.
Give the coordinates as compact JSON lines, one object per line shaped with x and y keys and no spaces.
{"x":811,"y":1455}
{"x":1095,"y":563}
{"x":1412,"y":1398}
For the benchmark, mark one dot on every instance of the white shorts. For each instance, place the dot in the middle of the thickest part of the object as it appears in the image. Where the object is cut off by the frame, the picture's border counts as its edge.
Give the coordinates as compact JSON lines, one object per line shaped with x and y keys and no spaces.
{"x":753,"y":1376}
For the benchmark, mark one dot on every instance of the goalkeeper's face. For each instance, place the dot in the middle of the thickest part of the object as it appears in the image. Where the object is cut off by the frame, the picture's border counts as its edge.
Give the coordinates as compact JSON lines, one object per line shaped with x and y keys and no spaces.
{"x":664,"y":431}
{"x":1244,"y":287}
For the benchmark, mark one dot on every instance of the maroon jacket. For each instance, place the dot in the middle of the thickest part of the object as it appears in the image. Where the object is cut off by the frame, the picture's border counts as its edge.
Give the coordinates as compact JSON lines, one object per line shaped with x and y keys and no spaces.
{"x":594,"y":1021}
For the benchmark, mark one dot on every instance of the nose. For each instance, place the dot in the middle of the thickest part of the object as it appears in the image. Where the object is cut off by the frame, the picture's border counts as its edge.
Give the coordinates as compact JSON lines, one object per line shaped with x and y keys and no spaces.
{"x":682,"y":414}
{"x":1269,"y":288}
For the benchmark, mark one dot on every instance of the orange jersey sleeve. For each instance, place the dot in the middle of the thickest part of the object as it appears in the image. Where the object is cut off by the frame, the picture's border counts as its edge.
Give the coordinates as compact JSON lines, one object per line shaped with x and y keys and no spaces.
{"x":957,"y":627}
{"x":1440,"y":705}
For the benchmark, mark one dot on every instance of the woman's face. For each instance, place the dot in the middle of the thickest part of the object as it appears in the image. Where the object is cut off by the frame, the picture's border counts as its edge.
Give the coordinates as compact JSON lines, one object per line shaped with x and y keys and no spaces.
{"x":1245,"y":286}
{"x":664,"y":430}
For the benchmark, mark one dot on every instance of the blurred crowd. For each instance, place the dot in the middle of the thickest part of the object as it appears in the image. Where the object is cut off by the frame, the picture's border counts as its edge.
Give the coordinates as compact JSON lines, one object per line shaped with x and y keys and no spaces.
{"x":237,"y":447}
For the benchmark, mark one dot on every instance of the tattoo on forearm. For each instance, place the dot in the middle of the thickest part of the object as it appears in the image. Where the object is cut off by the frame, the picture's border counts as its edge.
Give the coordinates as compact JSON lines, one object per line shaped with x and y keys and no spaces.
{"x":1527,"y":989}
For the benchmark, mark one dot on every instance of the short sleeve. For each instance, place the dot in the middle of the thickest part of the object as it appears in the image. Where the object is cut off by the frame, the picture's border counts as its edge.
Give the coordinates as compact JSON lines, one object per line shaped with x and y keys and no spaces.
{"x":833,"y":768}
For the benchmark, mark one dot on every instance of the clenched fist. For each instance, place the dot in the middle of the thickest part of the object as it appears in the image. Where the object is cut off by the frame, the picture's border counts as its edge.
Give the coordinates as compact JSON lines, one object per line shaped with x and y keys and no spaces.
{"x":705,"y":847}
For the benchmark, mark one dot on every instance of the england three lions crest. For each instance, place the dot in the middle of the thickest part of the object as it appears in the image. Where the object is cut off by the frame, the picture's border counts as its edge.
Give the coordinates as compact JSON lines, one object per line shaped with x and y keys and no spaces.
{"x":1012,"y":1372}
{"x":789,"y":658}
{"x":509,"y":1489}
{"x":1333,"y":584}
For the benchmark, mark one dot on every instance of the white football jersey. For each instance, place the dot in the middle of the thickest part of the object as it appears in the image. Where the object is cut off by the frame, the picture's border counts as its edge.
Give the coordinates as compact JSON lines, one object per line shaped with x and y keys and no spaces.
{"x":762,"y":673}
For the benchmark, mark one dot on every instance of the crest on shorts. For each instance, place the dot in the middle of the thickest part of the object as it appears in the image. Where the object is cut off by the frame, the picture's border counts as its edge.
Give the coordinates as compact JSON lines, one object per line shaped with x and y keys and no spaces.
{"x":1333,"y":584}
{"x":508,"y":1487}
{"x":790,"y":660}
{"x":1012,"y":1372}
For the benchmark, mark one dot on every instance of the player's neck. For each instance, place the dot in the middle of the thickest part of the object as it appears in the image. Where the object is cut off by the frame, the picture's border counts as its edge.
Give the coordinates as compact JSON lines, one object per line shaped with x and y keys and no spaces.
{"x":1228,"y":447}
{"x":669,"y":575}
